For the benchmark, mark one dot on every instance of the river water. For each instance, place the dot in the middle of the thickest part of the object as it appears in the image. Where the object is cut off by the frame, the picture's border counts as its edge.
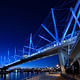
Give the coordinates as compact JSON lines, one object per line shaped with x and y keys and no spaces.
{"x":18,"y":76}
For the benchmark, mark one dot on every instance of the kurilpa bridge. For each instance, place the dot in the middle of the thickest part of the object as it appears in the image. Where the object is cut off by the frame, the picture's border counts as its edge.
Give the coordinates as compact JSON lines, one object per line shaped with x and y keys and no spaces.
{"x":61,"y":46}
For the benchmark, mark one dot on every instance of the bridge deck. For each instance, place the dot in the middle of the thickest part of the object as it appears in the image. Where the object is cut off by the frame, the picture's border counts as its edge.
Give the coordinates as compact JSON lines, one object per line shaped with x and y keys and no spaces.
{"x":47,"y":52}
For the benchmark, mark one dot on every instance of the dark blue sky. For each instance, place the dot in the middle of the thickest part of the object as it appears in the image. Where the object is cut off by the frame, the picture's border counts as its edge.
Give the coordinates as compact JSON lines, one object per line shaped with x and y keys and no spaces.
{"x":51,"y":61}
{"x":19,"y":18}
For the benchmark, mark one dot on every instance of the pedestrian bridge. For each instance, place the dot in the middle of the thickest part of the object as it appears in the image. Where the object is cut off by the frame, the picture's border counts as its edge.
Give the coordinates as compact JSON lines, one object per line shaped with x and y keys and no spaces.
{"x":48,"y":50}
{"x":63,"y":45}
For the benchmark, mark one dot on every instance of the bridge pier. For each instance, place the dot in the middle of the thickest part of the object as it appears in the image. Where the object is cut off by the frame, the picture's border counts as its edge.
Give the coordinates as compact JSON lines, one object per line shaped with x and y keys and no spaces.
{"x":62,"y":60}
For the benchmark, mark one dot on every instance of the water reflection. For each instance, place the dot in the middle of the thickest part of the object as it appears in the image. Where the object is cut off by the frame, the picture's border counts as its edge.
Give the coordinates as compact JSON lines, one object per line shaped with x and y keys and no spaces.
{"x":6,"y":77}
{"x":17,"y":75}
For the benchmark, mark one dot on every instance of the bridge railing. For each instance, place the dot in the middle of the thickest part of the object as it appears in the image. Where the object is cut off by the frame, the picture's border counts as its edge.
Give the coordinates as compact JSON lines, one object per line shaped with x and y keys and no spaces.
{"x":69,"y":35}
{"x":48,"y":45}
{"x":54,"y":44}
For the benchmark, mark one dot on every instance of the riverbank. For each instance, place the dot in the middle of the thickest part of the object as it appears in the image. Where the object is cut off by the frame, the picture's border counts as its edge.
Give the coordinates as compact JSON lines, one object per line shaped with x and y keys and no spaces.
{"x":48,"y":76}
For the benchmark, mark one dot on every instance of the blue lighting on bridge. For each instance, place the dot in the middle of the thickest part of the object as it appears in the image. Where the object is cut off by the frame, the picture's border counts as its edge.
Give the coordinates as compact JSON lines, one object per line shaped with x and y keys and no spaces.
{"x":15,"y":54}
{"x":75,"y":24}
{"x":4,"y":60}
{"x":48,"y":31}
{"x":44,"y":38}
{"x":23,"y":50}
{"x":1,"y":61}
{"x":75,"y":17}
{"x":31,"y":51}
{"x":54,"y":24}
{"x":68,"y":26}
{"x":30,"y":45}
{"x":8,"y":53}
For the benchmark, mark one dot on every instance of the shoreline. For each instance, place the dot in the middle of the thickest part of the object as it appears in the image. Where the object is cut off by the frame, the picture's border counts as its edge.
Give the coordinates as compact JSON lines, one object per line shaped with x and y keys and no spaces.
{"x":47,"y":76}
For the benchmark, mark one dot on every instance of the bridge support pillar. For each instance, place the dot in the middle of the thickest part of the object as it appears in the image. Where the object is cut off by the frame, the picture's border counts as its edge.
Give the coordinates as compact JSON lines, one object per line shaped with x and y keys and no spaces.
{"x":61,"y":56}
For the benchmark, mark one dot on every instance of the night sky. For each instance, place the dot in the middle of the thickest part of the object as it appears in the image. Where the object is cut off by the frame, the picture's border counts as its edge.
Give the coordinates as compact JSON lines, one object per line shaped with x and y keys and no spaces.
{"x":19,"y":18}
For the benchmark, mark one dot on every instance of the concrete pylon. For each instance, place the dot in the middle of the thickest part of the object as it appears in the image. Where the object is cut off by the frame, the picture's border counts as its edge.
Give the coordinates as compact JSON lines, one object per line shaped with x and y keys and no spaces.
{"x":62,"y":60}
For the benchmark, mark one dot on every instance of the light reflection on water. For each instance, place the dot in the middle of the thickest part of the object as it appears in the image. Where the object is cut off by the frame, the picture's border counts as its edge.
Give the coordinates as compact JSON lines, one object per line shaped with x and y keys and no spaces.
{"x":17,"y":75}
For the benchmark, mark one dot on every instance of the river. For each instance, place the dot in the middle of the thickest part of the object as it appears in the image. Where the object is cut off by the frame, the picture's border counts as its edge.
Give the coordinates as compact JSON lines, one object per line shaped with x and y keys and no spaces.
{"x":18,"y":76}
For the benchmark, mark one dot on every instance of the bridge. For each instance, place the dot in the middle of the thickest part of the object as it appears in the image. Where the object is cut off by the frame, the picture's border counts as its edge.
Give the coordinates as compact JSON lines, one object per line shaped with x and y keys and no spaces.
{"x":75,"y":54}
{"x":63,"y":46}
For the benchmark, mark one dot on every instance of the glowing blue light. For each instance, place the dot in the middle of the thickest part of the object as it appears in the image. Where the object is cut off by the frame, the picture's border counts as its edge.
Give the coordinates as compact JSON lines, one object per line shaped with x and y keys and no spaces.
{"x":75,"y":17}
{"x":59,"y":43}
{"x":15,"y":54}
{"x":4,"y":59}
{"x":8,"y":53}
{"x":75,"y":24}
{"x":15,"y":51}
{"x":55,"y":28}
{"x":1,"y":60}
{"x":48,"y":31}
{"x":30,"y":45}
{"x":31,"y":48}
{"x":44,"y":38}
{"x":75,"y":9}
{"x":23,"y":51}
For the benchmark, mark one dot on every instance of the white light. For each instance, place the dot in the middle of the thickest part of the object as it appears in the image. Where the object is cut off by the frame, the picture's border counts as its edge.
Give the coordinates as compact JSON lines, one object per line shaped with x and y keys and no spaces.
{"x":25,"y":56}
{"x":39,"y":51}
{"x":57,"y":65}
{"x":54,"y":45}
{"x":44,"y":50}
{"x":64,"y":41}
{"x":16,"y":71}
{"x":59,"y":43}
{"x":33,"y":54}
{"x":70,"y":39}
